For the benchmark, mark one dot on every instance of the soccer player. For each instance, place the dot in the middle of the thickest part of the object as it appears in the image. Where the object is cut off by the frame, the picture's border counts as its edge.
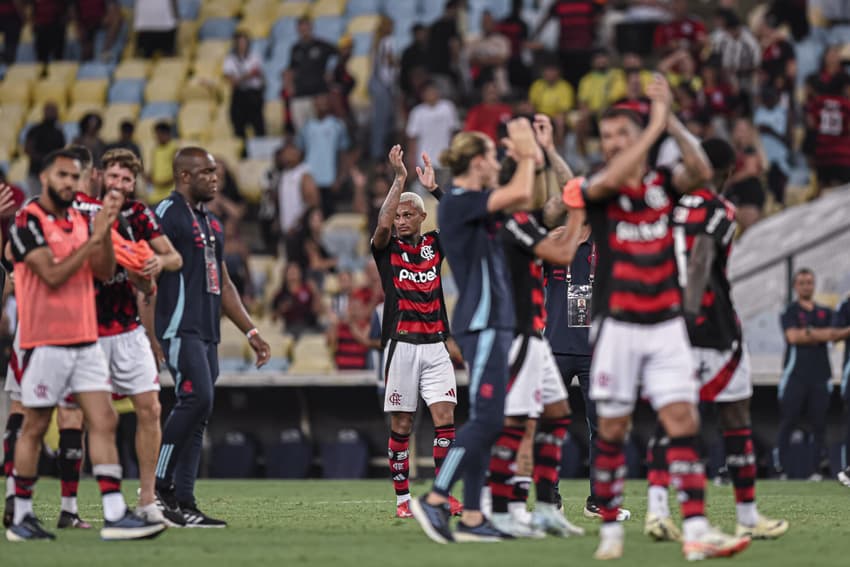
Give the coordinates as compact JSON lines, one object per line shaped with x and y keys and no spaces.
{"x":415,"y":326}
{"x":56,"y":260}
{"x":704,"y":225}
{"x":483,"y":321}
{"x":841,"y":321}
{"x":122,"y":336}
{"x":189,"y":306}
{"x":640,"y":335}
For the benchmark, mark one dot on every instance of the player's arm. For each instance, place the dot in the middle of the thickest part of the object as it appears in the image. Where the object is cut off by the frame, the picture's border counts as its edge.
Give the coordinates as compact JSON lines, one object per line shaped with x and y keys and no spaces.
{"x":810,"y":335}
{"x":169,"y":257}
{"x":699,"y":270}
{"x":695,"y":169}
{"x":560,"y":246}
{"x":147,"y":308}
{"x":386,"y":217}
{"x":522,"y":146}
{"x":428,"y":178}
{"x":543,"y":132}
{"x":233,"y":308}
{"x":102,"y":259}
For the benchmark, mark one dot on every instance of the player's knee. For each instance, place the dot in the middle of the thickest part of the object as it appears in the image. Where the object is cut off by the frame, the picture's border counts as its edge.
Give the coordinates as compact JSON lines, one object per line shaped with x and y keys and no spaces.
{"x":148,"y":411}
{"x":613,"y":430}
{"x":680,"y":419}
{"x":104,"y":422}
{"x":35,"y":424}
{"x":734,"y":415}
{"x":402,"y":423}
{"x":442,"y":415}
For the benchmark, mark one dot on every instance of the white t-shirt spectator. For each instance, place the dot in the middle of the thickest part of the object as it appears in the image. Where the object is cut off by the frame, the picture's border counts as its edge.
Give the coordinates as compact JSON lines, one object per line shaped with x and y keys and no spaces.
{"x":322,"y":139}
{"x":290,"y":197}
{"x":433,"y":127}
{"x":154,"y":15}
{"x":235,"y":67}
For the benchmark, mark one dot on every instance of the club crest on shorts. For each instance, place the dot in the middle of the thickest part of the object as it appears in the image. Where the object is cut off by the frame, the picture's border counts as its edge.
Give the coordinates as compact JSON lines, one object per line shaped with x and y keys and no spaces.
{"x":41,"y":391}
{"x":395,"y":398}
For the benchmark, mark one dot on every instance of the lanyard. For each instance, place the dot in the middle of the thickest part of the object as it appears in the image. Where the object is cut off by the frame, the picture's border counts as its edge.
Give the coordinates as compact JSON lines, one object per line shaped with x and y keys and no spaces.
{"x":592,"y":266}
{"x":201,"y":232}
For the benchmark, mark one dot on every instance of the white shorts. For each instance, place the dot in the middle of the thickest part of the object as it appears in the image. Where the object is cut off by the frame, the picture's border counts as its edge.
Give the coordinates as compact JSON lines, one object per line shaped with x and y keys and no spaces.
{"x":534,"y":380}
{"x":627,"y":356}
{"x":724,"y":375}
{"x":131,"y":362}
{"x":414,"y":369}
{"x":51,"y":372}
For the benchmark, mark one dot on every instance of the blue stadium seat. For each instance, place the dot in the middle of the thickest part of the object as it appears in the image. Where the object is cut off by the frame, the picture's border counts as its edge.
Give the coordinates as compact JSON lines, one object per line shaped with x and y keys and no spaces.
{"x":362,"y":44}
{"x":290,"y":457}
{"x":188,"y":9}
{"x":94,"y":70}
{"x":127,"y":90}
{"x":167,"y":110}
{"x":280,"y":54}
{"x":328,"y":28}
{"x":402,"y":12}
{"x":359,"y":7}
{"x":347,"y":457}
{"x":217,"y":28}
{"x":572,"y":458}
{"x":260,"y":46}
{"x":431,"y":10}
{"x":263,"y":148}
{"x":26,"y":53}
{"x":234,"y":457}
{"x":71,"y":131}
{"x":274,"y":84}
{"x":285,"y":29}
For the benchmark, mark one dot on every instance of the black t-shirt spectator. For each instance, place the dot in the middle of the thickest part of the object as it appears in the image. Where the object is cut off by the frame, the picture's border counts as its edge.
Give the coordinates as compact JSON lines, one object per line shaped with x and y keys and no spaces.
{"x":42,"y":139}
{"x":443,"y":31}
{"x":309,"y":60}
{"x":806,"y":361}
{"x":775,"y":58}
{"x":414,"y":57}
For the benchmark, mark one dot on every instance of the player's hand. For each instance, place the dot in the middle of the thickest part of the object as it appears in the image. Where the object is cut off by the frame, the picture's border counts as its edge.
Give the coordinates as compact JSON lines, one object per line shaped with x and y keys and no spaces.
{"x":158,"y":354}
{"x":7,"y":201}
{"x":658,"y":91}
{"x":397,"y":161}
{"x":520,"y":143}
{"x":261,"y":349}
{"x":543,"y":131}
{"x":153,"y":267}
{"x":427,"y":177}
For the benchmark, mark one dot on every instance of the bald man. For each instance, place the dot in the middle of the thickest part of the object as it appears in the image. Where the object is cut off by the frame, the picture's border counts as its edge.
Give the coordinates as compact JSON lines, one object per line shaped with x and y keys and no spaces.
{"x":187,"y":322}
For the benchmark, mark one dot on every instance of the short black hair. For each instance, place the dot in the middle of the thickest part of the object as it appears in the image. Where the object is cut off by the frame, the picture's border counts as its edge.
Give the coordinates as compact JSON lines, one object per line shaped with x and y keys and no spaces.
{"x":720,"y":153}
{"x":63,"y":153}
{"x":620,"y":112}
{"x":507,"y":171}
{"x":417,"y":27}
{"x":82,"y":154}
{"x":803,"y":272}
{"x":162,"y":126}
{"x":127,"y":126}
{"x":729,"y":17}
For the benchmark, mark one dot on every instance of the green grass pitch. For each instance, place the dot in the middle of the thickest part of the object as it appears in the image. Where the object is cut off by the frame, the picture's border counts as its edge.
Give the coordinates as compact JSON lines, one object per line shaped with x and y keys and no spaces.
{"x":352,"y":523}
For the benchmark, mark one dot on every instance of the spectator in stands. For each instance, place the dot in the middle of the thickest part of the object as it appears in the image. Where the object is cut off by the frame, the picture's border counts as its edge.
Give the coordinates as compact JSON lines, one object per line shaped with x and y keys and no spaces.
{"x":633,"y":63}
{"x":382,"y":90}
{"x":778,"y":62}
{"x":683,"y":31}
{"x":49,"y":22}
{"x":792,"y":13}
{"x":635,"y":99}
{"x":680,"y":69}
{"x":295,"y":189}
{"x":488,"y":56}
{"x":378,"y":189}
{"x":597,"y":91}
{"x":309,"y":65}
{"x":553,"y":96}
{"x":6,"y":215}
{"x":414,"y":63}
{"x":155,"y":23}
{"x":343,"y":82}
{"x":836,"y":16}
{"x":577,"y":20}
{"x":42,"y":139}
{"x":348,"y":338}
{"x":244,"y":69}
{"x":160,"y":173}
{"x":431,"y":125}
{"x":90,"y":125}
{"x":304,"y":247}
{"x":739,"y":53}
{"x":90,"y":19}
{"x":804,"y":389}
{"x":718,"y":98}
{"x":11,"y":23}
{"x":488,"y":115}
{"x":228,"y":204}
{"x":774,"y":126}
{"x":744,"y":188}
{"x":298,"y":303}
{"x":324,"y":140}
{"x":339,"y":300}
{"x":113,"y":23}
{"x":444,"y":47}
{"x":125,"y":139}
{"x":515,"y":29}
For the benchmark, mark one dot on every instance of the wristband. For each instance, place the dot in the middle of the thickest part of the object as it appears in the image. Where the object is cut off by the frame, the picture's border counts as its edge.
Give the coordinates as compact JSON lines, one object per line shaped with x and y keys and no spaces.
{"x":574,"y":194}
{"x":252,"y":333}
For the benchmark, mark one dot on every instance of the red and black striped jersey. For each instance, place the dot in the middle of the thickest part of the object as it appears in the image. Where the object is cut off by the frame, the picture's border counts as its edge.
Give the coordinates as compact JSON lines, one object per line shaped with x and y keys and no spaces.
{"x":414,"y":308}
{"x":705,"y":212}
{"x":830,"y":114}
{"x":350,"y":354}
{"x":520,"y":234}
{"x":637,"y":280}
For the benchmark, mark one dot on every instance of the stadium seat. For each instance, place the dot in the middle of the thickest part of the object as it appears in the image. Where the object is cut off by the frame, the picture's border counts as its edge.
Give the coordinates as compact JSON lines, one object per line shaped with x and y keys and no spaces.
{"x":72,"y":129}
{"x":214,"y":49}
{"x":265,"y":8}
{"x":175,"y":68}
{"x":252,"y":178}
{"x":163,"y":89}
{"x":127,"y":91}
{"x":77,"y":110}
{"x":273,"y":116}
{"x":160,"y":110}
{"x":47,"y":90}
{"x":360,"y":7}
{"x":89,"y":91}
{"x":23,"y":72}
{"x":36,"y":113}
{"x":310,"y":355}
{"x":402,"y":13}
{"x":256,"y":26}
{"x":201,"y":89}
{"x":12,"y":116}
{"x":263,"y":148}
{"x":228,"y":149}
{"x":285,"y":30}
{"x":194,"y":119}
{"x":362,"y":44}
{"x":219,"y":9}
{"x":361,"y":69}
{"x":323,"y":8}
{"x":26,"y":52}
{"x":15,"y":92}
{"x":19,"y":170}
{"x":217,"y":28}
{"x":364,"y":24}
{"x":64,"y":71}
{"x":290,"y":457}
{"x":132,"y":69}
{"x":234,"y":457}
{"x":279,"y":57}
{"x":189,"y":9}
{"x":292,"y":9}
{"x":431,"y":11}
{"x":187,"y":38}
{"x":345,"y":458}
{"x":114,"y":115}
{"x":354,"y":222}
{"x":328,"y":28}
{"x":94,"y":70}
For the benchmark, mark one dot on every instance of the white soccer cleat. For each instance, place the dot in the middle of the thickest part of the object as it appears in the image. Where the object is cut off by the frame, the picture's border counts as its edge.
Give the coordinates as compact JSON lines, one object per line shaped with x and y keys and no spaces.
{"x":548,"y":518}
{"x":506,"y":523}
{"x":611,"y":540}
{"x":844,"y":477}
{"x":714,"y":543}
{"x":661,"y":528}
{"x":151,"y":513}
{"x":765,"y":528}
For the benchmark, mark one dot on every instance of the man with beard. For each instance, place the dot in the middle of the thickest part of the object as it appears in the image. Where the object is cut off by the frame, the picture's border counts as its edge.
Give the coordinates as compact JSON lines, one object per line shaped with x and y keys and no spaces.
{"x":188,"y":321}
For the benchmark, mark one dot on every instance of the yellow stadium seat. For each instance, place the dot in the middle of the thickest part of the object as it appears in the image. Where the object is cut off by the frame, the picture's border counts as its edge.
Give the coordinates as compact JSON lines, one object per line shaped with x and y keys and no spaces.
{"x":207,"y":68}
{"x":327,"y":8}
{"x":310,"y":354}
{"x":364,"y":24}
{"x":256,"y":26}
{"x":90,"y":90}
{"x":174,"y":68}
{"x":360,"y":68}
{"x":219,"y":9}
{"x":36,"y":113}
{"x":227,"y":149}
{"x":24,"y":72}
{"x":273,"y":116}
{"x":264,"y":8}
{"x":12,"y":115}
{"x":64,"y":71}
{"x":187,"y":36}
{"x":251,"y":175}
{"x":114,"y":115}
{"x":80,"y":109}
{"x":346,"y":221}
{"x":15,"y":92}
{"x":221,"y":126}
{"x":133,"y":69}
{"x":26,"y":32}
{"x":292,"y":9}
{"x":216,"y":49}
{"x":50,"y":91}
{"x":194,"y":120}
{"x":199,"y":88}
{"x":19,"y":170}
{"x":163,"y":89}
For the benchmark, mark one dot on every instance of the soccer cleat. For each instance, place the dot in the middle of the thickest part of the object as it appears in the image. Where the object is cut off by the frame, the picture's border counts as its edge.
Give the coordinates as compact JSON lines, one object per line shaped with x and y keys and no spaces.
{"x":130,"y":527}
{"x":714,"y":543}
{"x":661,"y":528}
{"x":591,"y":512}
{"x":611,"y":540}
{"x":29,"y":529}
{"x":434,"y":520}
{"x":765,"y":528}
{"x":843,"y":477}
{"x":197,"y":519}
{"x":455,"y":506}
{"x":69,"y":520}
{"x":8,"y":511}
{"x":507,"y":523}
{"x":549,"y":519}
{"x":485,"y":532}
{"x":151,"y":513}
{"x":403,"y":510}
{"x":166,"y":501}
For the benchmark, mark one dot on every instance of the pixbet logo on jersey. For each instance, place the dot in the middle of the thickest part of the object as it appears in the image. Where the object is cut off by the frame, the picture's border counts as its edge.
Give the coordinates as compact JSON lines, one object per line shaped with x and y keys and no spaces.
{"x":418,"y":277}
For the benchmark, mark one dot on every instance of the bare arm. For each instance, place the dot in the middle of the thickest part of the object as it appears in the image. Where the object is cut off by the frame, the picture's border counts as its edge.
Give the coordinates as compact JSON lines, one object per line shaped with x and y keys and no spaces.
{"x":147,"y":307}
{"x":810,"y":336}
{"x":543,"y":131}
{"x":168,"y":255}
{"x":702,"y":255}
{"x":231,"y":305}
{"x":53,"y":273}
{"x":695,"y":169}
{"x":560,"y":246}
{"x":522,"y":146}
{"x":386,"y":216}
